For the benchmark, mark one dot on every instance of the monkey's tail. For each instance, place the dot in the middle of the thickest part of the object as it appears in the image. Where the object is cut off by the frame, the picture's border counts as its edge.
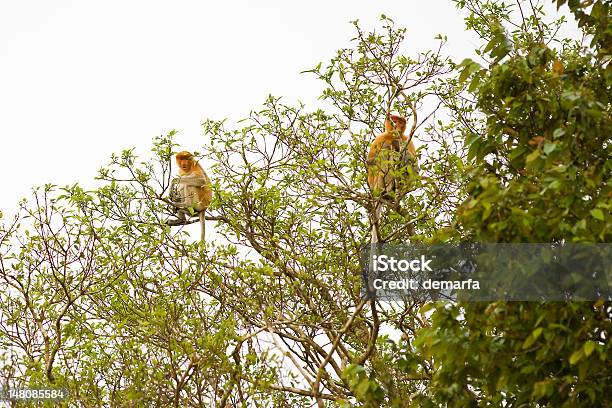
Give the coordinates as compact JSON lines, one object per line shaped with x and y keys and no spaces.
{"x":369,"y":278}
{"x":375,"y":220}
{"x":202,"y":226}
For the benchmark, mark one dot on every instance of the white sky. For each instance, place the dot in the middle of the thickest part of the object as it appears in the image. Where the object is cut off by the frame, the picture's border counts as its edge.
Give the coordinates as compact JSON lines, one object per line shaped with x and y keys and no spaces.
{"x":82,"y":79}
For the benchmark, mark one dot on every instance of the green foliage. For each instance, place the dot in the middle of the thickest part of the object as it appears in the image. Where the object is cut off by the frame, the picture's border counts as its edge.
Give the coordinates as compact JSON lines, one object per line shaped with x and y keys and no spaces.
{"x":551,"y":354}
{"x":364,"y":388}
{"x":542,"y":159}
{"x":109,"y":302}
{"x":540,"y":149}
{"x":593,"y":17}
{"x":104,"y":299}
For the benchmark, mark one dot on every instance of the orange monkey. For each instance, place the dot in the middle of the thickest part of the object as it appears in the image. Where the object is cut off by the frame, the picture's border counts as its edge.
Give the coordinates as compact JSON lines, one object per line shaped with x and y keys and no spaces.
{"x":382,"y":173}
{"x":199,"y":196}
{"x":190,"y":192}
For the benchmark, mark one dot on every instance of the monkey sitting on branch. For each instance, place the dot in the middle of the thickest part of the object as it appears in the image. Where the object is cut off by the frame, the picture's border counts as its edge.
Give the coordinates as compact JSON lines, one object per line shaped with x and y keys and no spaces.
{"x":191,"y":192}
{"x":391,"y":161}
{"x":390,"y":164}
{"x":389,"y":156}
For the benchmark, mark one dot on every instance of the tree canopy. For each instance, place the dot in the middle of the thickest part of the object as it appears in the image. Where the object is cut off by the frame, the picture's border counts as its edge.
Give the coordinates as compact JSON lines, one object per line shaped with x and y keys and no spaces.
{"x":101,"y":298}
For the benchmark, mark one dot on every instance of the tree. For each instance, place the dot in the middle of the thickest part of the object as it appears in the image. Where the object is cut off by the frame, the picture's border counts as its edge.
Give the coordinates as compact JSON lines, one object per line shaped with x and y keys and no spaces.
{"x":108,"y":302}
{"x":538,"y":133}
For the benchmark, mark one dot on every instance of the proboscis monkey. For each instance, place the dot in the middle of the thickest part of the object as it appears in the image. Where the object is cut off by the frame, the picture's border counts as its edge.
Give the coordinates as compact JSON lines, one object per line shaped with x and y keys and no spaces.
{"x":199,"y":197}
{"x":390,"y":154}
{"x":194,"y":189}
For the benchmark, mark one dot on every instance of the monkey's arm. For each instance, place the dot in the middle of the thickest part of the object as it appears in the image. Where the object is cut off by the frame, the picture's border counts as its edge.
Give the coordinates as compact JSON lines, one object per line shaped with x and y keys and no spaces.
{"x":376,"y":147}
{"x":194,"y":181}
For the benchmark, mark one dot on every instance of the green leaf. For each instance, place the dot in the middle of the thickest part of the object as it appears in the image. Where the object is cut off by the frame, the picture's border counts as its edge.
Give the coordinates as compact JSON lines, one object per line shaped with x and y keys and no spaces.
{"x":536,"y":333}
{"x":474,"y":83}
{"x":558,"y":133}
{"x":549,"y":147}
{"x":576,"y":356}
{"x":532,"y":156}
{"x":470,"y":68}
{"x":486,"y":212}
{"x":581,"y":225}
{"x":362,"y":388}
{"x":542,"y":389}
{"x":589,"y":346}
{"x":426,"y":307}
{"x":532,"y":338}
{"x":597,"y":214}
{"x":515,"y":153}
{"x":571,"y":96}
{"x":464,"y":75}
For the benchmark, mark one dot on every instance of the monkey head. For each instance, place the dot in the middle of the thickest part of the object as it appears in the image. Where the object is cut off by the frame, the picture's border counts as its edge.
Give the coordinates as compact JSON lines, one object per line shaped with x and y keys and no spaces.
{"x":394,"y":122}
{"x":185,"y":161}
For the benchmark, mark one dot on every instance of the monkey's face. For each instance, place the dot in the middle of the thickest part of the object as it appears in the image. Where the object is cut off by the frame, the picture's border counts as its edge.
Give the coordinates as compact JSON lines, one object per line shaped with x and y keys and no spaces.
{"x":395,"y":123}
{"x":399,"y":124}
{"x":184,"y":164}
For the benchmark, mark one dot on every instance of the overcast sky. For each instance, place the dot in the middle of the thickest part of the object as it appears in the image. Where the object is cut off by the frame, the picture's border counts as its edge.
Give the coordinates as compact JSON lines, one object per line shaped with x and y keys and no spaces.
{"x":82,"y":79}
